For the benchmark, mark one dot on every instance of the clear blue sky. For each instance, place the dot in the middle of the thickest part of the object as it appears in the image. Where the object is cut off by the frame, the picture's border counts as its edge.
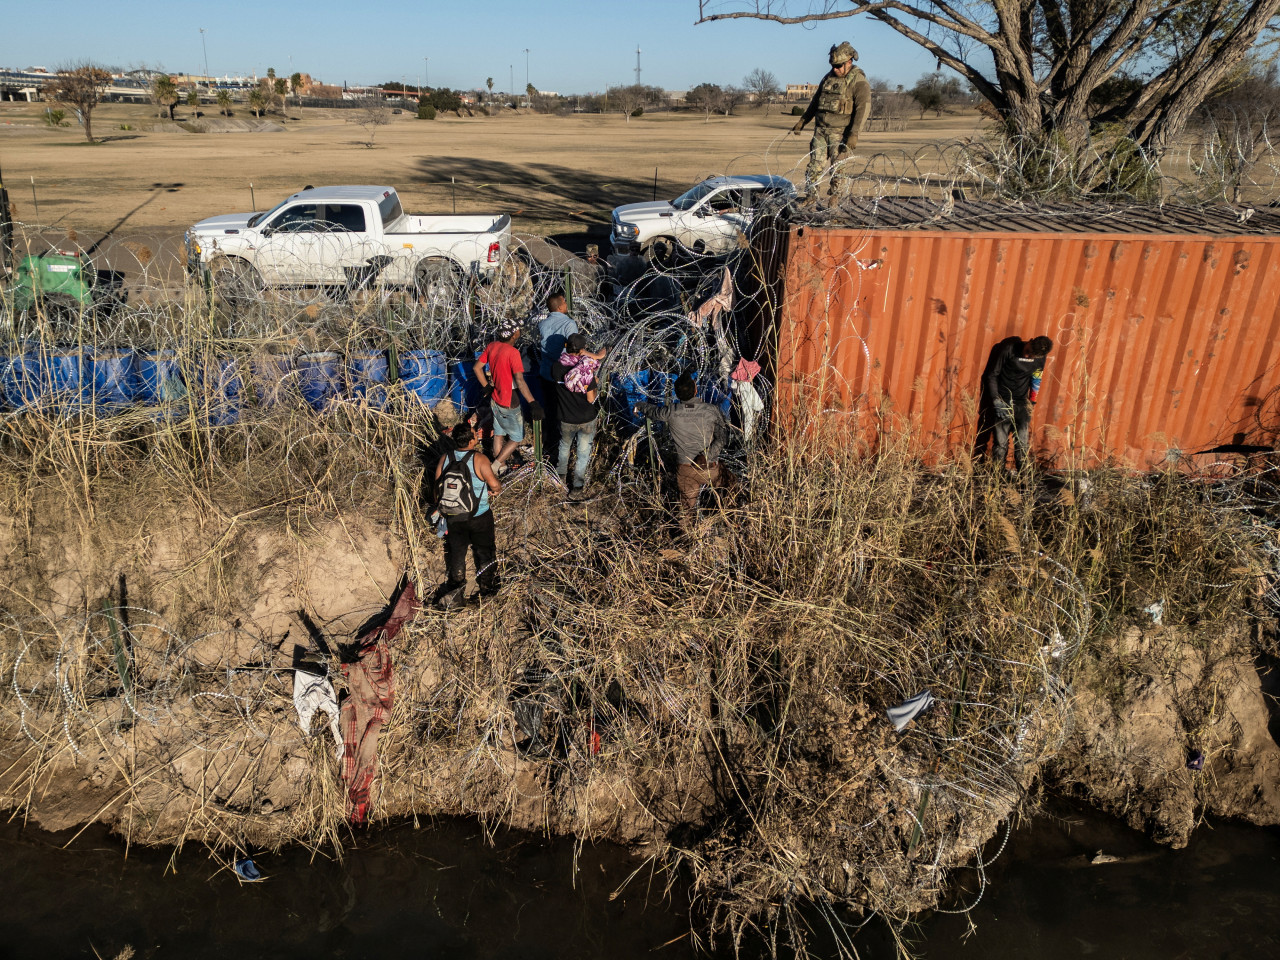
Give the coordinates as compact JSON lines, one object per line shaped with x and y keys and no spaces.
{"x":575,"y":46}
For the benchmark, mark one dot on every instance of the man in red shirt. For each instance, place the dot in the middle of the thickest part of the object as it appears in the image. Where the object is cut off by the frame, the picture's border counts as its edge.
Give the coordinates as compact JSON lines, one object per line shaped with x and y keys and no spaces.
{"x":505,"y":375}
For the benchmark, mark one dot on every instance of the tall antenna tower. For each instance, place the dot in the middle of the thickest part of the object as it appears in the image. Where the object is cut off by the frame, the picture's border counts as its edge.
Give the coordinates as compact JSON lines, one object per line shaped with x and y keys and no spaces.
{"x":637,"y":66}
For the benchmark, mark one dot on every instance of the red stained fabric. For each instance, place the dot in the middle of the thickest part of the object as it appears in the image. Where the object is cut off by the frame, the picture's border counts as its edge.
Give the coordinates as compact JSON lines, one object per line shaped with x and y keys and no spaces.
{"x":367,"y":706}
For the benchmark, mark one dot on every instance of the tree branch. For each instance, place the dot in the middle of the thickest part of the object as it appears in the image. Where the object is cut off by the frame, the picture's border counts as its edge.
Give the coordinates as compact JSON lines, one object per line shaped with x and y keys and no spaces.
{"x":704,"y":17}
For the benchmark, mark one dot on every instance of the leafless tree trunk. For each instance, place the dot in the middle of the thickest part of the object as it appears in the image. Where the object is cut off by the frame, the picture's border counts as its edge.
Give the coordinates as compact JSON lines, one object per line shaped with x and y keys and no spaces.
{"x":81,"y":86}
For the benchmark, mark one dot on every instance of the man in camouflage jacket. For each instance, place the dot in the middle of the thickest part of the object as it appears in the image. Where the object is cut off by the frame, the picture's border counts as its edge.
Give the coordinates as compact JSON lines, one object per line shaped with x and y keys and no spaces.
{"x":839,"y":110}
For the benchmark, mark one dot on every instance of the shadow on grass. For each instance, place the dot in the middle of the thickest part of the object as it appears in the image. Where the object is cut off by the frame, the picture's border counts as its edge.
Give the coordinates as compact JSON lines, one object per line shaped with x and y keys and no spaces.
{"x":540,"y":191}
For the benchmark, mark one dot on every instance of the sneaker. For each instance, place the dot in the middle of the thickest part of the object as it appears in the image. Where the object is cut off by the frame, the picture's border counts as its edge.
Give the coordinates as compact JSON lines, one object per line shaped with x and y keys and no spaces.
{"x":500,"y":469}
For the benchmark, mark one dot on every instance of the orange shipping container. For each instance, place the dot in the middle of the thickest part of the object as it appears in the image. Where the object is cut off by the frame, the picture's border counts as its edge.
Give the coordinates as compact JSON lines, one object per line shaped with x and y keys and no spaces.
{"x":1165,"y":344}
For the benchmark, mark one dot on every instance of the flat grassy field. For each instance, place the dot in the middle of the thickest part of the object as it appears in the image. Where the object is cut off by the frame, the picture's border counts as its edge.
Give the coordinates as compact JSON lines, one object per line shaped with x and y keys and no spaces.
{"x":557,"y":176}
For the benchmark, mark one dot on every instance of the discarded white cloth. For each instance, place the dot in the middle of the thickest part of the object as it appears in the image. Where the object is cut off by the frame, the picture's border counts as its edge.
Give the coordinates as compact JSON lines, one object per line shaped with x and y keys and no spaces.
{"x":909,"y":709}
{"x":311,"y":694}
{"x":750,"y":406}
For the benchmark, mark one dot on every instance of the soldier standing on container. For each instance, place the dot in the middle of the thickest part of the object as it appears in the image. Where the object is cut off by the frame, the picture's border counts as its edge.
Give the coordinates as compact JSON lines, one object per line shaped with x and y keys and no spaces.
{"x":839,"y":110}
{"x":1012,"y":384}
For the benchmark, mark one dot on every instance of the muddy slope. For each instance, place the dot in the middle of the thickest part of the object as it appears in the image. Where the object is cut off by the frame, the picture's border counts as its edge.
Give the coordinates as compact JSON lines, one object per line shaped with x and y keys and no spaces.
{"x":201,"y":742}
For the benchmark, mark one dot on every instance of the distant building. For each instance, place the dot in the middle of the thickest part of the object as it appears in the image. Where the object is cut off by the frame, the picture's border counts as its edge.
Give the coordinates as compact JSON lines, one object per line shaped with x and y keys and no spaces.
{"x":22,"y":84}
{"x":801,"y":92}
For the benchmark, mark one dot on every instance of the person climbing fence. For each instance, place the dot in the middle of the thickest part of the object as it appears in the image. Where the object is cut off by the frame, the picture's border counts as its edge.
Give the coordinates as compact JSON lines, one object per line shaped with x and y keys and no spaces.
{"x":699,"y":432}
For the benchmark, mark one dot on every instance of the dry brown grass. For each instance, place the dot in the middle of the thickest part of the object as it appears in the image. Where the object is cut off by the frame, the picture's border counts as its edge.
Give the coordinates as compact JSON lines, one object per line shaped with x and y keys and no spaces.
{"x":736,"y":675}
{"x":551,"y":173}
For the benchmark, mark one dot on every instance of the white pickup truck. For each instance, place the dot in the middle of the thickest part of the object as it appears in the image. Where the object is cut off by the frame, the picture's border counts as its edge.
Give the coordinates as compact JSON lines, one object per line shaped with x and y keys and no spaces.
{"x":345,"y":236}
{"x":707,"y":220}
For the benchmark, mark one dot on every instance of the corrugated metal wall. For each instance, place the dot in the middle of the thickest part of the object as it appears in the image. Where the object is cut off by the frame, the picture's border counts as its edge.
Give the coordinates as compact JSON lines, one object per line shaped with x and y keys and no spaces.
{"x":1161,"y":342}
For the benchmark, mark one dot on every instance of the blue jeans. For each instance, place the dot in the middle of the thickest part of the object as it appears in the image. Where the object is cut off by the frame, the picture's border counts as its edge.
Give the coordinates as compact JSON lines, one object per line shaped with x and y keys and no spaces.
{"x":1012,"y":417}
{"x":586,"y":434}
{"x":508,"y":421}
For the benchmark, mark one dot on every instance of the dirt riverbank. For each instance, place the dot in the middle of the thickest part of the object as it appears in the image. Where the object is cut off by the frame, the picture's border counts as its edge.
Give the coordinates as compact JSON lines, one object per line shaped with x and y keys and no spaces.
{"x":650,"y":738}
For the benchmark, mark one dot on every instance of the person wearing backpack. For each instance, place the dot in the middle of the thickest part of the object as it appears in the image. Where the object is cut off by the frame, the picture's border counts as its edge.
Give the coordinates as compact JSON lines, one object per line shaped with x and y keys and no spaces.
{"x":464,"y":483}
{"x":577,"y":400}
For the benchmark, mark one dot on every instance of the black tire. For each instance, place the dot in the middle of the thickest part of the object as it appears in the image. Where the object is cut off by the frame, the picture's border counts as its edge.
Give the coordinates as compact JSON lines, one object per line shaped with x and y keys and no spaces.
{"x":237,"y":283}
{"x":437,"y":282}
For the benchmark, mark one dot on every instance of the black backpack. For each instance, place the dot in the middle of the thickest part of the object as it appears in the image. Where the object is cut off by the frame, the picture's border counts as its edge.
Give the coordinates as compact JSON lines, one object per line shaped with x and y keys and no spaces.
{"x":455,"y":494}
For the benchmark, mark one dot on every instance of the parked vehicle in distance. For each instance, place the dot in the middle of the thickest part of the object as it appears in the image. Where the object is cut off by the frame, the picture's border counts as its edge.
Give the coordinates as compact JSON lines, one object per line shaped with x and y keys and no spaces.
{"x":348,"y":236}
{"x":707,"y":220}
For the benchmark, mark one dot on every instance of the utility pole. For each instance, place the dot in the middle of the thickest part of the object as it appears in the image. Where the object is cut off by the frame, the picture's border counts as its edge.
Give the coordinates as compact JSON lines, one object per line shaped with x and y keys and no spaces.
{"x":205,"y":48}
{"x":426,"y":72}
{"x":512,"y":70}
{"x":637,"y":65}
{"x":526,"y":72}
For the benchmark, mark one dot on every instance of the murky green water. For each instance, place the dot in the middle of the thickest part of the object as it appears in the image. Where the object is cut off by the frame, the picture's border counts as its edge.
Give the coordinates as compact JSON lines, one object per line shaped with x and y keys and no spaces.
{"x":441,"y":891}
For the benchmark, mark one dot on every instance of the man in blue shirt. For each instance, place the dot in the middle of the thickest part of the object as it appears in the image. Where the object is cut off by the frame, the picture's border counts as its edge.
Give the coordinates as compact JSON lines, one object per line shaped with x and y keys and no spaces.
{"x":554,"y":329}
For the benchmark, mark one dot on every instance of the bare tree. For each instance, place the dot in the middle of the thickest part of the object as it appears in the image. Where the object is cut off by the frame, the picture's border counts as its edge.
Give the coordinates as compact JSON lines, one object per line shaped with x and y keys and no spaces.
{"x":1037,"y":61}
{"x":80,"y":86}
{"x":763,"y":85}
{"x":730,"y":99}
{"x":889,"y":102}
{"x":370,"y":113}
{"x":627,"y":99}
{"x":706,"y":97}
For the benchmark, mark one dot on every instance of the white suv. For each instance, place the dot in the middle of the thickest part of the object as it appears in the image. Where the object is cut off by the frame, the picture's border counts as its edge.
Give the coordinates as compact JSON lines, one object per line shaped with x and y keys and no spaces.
{"x":707,"y":220}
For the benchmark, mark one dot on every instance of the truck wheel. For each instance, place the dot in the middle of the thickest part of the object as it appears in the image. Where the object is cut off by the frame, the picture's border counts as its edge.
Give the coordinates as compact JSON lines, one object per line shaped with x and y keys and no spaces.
{"x":661,"y":252}
{"x":236,"y":282}
{"x":436,"y":282}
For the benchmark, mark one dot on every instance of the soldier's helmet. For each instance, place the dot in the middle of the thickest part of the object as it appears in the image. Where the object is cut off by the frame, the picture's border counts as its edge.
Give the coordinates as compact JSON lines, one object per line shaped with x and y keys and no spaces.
{"x":842,"y":53}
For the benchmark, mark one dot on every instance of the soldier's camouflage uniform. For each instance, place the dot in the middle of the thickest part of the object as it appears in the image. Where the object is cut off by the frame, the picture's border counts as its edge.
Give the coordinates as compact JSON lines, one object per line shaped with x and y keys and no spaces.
{"x":839,"y":109}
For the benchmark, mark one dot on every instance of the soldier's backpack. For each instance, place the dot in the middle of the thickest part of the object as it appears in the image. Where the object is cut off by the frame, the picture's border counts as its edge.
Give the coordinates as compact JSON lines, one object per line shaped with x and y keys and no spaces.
{"x":455,"y":493}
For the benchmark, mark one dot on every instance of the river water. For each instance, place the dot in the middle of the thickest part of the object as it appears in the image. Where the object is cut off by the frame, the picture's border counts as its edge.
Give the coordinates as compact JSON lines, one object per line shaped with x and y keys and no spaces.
{"x":443,"y":891}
